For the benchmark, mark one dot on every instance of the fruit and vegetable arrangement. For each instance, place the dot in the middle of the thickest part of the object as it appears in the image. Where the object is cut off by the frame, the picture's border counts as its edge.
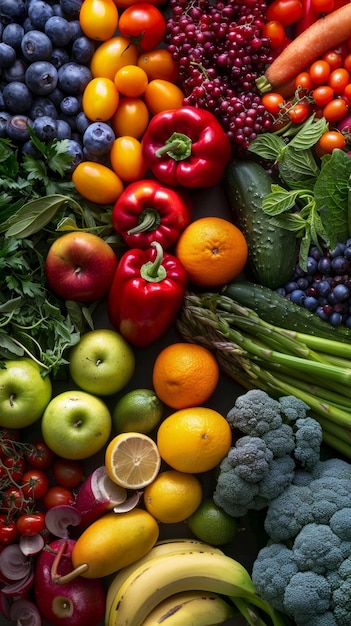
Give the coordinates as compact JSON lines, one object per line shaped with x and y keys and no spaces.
{"x":175,"y":312}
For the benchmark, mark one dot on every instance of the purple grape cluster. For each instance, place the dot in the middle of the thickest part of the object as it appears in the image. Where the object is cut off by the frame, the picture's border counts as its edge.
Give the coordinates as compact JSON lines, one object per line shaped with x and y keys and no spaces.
{"x":221,"y":51}
{"x":325,"y":288}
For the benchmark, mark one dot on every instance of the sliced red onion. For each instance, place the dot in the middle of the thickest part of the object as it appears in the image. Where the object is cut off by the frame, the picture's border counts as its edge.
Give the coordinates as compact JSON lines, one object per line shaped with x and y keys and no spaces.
{"x":25,"y":613}
{"x":20,"y":586}
{"x":59,"y":518}
{"x":13,"y":563}
{"x":4,"y":605}
{"x":129,"y":504}
{"x":31,"y":545}
{"x":97,"y":495}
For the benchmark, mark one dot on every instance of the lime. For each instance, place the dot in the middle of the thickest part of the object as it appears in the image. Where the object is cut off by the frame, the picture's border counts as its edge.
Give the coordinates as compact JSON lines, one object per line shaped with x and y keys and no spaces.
{"x":139,"y":410}
{"x":211,"y":524}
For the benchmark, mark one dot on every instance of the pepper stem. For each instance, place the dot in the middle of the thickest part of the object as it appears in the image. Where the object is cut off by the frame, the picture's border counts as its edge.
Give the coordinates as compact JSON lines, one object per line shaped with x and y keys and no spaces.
{"x":149,"y":220}
{"x":178,"y":147}
{"x":154,"y":271}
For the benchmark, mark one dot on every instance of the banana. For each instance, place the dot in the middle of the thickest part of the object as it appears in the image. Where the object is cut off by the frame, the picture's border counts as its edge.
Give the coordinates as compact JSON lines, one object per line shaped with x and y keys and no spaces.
{"x":162,"y":547}
{"x":190,"y":608}
{"x":158,"y":578}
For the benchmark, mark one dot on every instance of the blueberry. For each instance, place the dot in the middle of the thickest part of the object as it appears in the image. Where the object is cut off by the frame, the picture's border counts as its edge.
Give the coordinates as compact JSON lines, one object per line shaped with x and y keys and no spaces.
{"x":63,"y":130}
{"x":82,"y":122}
{"x":41,"y":77}
{"x":36,"y":46}
{"x":303,"y":283}
{"x":335,"y":319}
{"x":45,"y":128}
{"x":322,"y":313}
{"x":98,"y":138}
{"x":323,"y":287}
{"x":30,"y":149}
{"x":71,"y":7}
{"x":76,"y":29}
{"x":4,"y":117}
{"x":17,"y":97}
{"x":12,"y":35}
{"x":17,"y":128}
{"x":70,"y":105}
{"x":58,"y":29}
{"x":55,"y":96}
{"x":340,"y":264}
{"x":312,"y":265}
{"x":324,"y":265}
{"x":310,"y":303}
{"x":341,"y":293}
{"x":73,"y":78}
{"x":76,"y":151}
{"x":7,"y":55}
{"x":338,"y":250}
{"x":59,"y":57}
{"x":42,"y":106}
{"x":12,"y":11}
{"x":83,"y":49}
{"x":16,"y":71}
{"x":297,"y":296}
{"x":39,"y":12}
{"x":290,"y":286}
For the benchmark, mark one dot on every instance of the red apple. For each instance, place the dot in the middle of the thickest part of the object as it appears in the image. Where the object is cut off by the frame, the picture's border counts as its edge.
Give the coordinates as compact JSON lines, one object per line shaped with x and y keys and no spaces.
{"x":80,"y":602}
{"x":80,"y":266}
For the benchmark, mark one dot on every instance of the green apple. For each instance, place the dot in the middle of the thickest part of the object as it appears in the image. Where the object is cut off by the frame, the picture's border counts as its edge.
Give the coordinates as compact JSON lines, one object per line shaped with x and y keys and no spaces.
{"x":102,"y":362}
{"x":76,"y":424}
{"x":24,"y":393}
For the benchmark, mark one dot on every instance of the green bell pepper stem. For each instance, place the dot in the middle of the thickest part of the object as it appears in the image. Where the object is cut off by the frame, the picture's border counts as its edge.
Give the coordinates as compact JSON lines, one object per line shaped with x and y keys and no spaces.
{"x":178,"y":147}
{"x":154,"y":271}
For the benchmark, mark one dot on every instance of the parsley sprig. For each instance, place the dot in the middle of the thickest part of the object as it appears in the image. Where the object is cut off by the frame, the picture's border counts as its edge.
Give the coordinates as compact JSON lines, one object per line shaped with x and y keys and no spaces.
{"x":313,"y":197}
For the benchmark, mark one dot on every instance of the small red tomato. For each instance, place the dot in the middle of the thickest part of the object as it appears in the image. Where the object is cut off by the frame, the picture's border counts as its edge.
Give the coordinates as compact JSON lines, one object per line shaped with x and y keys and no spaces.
{"x":13,"y":500}
{"x":56,"y":496}
{"x":322,"y":95}
{"x":287,"y":12}
{"x":334,"y":58}
{"x":335,"y":110}
{"x":68,"y":473}
{"x":144,"y":25}
{"x":274,"y":31}
{"x":338,"y":80}
{"x":273,"y":102}
{"x":16,"y":466}
{"x":329,"y":141}
{"x":322,"y":6}
{"x":319,"y":72}
{"x":299,"y":112}
{"x":31,"y":523}
{"x":8,"y":530}
{"x":34,"y":484}
{"x":40,"y":455}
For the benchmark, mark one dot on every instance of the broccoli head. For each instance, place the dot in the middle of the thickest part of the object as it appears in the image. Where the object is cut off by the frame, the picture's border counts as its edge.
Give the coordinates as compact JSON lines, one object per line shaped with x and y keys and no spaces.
{"x":255,"y":413}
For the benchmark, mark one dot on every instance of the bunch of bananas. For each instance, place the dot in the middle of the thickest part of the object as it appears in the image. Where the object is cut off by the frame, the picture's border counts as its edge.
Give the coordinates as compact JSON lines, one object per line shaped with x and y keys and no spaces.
{"x":184,"y":582}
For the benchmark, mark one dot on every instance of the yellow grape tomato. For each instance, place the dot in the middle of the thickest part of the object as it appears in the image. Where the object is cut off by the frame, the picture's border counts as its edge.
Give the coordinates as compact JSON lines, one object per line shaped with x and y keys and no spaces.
{"x":100,"y":99}
{"x":162,"y":95}
{"x":111,"y":55}
{"x":97,"y":183}
{"x":131,"y":118}
{"x":127,"y":159}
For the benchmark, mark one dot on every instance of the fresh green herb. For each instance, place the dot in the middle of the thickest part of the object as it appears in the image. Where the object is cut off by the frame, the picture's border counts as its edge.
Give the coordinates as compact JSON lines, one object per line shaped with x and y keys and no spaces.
{"x":33,"y":322}
{"x":313,"y":200}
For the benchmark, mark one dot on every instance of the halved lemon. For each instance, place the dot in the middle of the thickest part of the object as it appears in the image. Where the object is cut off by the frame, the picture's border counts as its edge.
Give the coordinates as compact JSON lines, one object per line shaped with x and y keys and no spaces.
{"x":132,"y":460}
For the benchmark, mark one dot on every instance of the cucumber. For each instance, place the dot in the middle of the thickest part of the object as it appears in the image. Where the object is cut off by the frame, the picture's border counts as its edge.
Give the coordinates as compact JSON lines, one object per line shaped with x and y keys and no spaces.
{"x":272,"y":251}
{"x":279,"y":311}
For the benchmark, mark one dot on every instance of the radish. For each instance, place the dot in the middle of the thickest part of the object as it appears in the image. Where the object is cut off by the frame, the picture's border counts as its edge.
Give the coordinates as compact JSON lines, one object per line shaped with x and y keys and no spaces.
{"x":97,"y":495}
{"x":80,"y":602}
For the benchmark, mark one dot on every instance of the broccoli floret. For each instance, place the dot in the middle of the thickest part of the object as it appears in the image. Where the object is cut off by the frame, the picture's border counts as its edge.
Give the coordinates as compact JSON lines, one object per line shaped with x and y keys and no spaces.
{"x":272,"y":571}
{"x":327,"y":619}
{"x":308,"y":438}
{"x":279,"y":477}
{"x":280,"y":441}
{"x":293,"y":408}
{"x":307,"y":594}
{"x":232,"y":493}
{"x":341,"y":593}
{"x":318,"y":549}
{"x":251,"y":458}
{"x":340,"y":523}
{"x":255,"y":413}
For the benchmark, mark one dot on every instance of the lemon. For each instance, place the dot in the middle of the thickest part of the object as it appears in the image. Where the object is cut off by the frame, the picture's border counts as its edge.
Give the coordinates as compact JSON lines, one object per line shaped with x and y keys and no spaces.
{"x":139,"y":410}
{"x":211,"y":524}
{"x":173,"y":496}
{"x":132,"y":460}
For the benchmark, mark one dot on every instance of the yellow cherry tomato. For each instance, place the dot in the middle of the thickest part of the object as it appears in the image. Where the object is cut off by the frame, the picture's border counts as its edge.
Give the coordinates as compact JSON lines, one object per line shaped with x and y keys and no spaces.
{"x":97,"y":182}
{"x":99,"y":19}
{"x":111,"y":56}
{"x":131,"y":80}
{"x":159,"y":63}
{"x":162,"y":95}
{"x":127,"y":159}
{"x":100,"y":99}
{"x":131,"y":118}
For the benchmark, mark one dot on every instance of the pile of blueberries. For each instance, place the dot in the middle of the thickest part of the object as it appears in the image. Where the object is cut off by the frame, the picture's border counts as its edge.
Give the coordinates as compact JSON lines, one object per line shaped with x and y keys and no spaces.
{"x":325,"y":288}
{"x":44,"y":69}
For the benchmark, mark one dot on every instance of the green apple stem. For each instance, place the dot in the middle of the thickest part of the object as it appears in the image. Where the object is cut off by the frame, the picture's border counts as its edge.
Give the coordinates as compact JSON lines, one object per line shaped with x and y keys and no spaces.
{"x":77,"y":571}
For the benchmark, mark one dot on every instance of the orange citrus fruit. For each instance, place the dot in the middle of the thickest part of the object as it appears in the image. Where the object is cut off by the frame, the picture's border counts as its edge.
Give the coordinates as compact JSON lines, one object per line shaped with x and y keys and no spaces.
{"x":213,"y":251}
{"x":184,"y":375}
{"x":194,"y":440}
{"x":132,"y":460}
{"x":173,"y":496}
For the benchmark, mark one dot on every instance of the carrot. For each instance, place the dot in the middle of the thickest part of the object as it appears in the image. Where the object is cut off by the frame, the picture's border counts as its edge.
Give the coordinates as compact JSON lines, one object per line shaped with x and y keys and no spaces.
{"x":326,"y":33}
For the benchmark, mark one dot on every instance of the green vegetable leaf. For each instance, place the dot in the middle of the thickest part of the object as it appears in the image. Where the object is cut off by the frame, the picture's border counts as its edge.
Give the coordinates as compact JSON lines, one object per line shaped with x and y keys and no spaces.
{"x":268,"y":146}
{"x":309,"y":133}
{"x":33,"y":216}
{"x":298,"y":166}
{"x":279,"y":200}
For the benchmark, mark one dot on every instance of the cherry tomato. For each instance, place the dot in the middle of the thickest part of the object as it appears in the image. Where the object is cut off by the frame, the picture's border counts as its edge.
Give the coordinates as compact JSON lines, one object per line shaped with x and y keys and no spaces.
{"x":347,"y":94}
{"x":13,"y":500}
{"x":143,"y":24}
{"x":34,"y":484}
{"x":131,"y":118}
{"x":31,"y":523}
{"x":159,"y":63}
{"x":97,"y":182}
{"x":68,"y":473}
{"x":98,"y":19}
{"x":8,"y":434}
{"x":287,"y":12}
{"x":319,"y":72}
{"x":111,"y":56}
{"x":57,"y":495}
{"x":131,"y":81}
{"x":322,"y":95}
{"x":334,"y":58}
{"x":127,"y":159}
{"x":100,"y":99}
{"x":40,"y":456}
{"x":347,"y":62}
{"x":335,"y":110}
{"x":322,"y":6}
{"x":8,"y":530}
{"x":304,"y":81}
{"x":273,"y":102}
{"x":16,"y":466}
{"x":274,"y":31}
{"x":299,"y":112}
{"x":338,"y":80}
{"x":161,"y":95}
{"x":329,"y":141}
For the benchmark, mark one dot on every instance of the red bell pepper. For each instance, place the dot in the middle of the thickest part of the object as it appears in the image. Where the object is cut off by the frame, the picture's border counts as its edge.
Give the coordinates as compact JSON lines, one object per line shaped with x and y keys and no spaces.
{"x":187,"y":147}
{"x":148,"y":211}
{"x":146,"y":294}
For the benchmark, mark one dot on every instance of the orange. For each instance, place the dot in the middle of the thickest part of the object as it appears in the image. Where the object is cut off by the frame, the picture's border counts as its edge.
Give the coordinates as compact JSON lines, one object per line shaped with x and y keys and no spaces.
{"x":173,"y":496}
{"x":98,"y":19}
{"x":213,"y":251}
{"x":132,"y":460}
{"x":184,"y":375}
{"x":194,"y":440}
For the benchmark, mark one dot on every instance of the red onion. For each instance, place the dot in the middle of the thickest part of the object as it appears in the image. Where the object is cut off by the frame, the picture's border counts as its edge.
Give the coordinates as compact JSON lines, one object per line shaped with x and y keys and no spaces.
{"x":19,"y":587}
{"x":129,"y":504}
{"x":25,"y":613}
{"x":59,"y":518}
{"x":13,"y":563}
{"x":97,"y":495}
{"x":31,"y":545}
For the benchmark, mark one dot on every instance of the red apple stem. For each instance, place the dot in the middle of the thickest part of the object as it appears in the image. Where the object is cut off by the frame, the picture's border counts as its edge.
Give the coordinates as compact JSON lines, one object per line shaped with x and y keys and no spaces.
{"x":62,"y":580}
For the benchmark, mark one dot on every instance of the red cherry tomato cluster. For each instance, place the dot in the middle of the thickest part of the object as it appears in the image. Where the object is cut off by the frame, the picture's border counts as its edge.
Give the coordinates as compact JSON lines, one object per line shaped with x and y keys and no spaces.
{"x":32,"y":480}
